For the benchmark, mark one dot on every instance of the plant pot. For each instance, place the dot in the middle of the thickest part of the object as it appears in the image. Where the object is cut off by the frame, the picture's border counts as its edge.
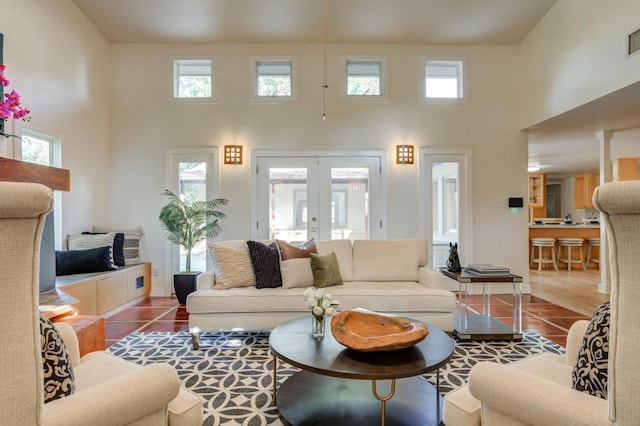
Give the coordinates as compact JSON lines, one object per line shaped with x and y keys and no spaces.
{"x":183,"y":284}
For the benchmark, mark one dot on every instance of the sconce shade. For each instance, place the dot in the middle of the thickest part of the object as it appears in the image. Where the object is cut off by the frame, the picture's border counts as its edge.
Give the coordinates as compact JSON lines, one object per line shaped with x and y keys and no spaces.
{"x":233,"y":154}
{"x":404,"y":154}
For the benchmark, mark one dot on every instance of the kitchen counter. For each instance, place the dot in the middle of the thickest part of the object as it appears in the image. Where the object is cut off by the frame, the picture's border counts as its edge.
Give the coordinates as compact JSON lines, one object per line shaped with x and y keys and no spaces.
{"x":566,"y":231}
{"x":563,"y":226}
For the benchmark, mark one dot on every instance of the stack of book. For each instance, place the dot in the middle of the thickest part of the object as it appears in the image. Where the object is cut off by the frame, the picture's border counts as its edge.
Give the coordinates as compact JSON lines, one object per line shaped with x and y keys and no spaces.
{"x":486,"y":269}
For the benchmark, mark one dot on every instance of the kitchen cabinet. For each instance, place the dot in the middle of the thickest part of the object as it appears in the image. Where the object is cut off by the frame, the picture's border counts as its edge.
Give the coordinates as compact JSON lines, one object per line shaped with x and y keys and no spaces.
{"x":537,"y":190}
{"x":625,"y":169}
{"x":583,"y":186}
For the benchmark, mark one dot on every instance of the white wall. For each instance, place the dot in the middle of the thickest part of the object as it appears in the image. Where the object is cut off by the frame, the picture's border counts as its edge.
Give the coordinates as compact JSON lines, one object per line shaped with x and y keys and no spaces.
{"x":144,"y":124}
{"x":576,"y":54}
{"x":58,"y":62}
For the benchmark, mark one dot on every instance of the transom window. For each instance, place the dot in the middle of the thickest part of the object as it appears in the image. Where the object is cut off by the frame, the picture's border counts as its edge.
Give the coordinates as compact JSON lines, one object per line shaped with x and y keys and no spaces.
{"x":274,"y":78}
{"x":364,"y":77}
{"x":193,"y":79}
{"x":443,"y":79}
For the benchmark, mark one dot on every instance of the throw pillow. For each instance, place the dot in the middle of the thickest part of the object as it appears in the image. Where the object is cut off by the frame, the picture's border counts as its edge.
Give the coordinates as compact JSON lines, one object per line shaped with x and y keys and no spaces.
{"x":83,"y":242}
{"x":118,"y":246}
{"x":266,"y":264}
{"x":69,"y":262}
{"x":590,"y":372}
{"x":232,"y":268}
{"x":289,"y":251}
{"x":56,"y":363}
{"x":131,"y":246}
{"x":296,"y":273}
{"x":326,"y":271}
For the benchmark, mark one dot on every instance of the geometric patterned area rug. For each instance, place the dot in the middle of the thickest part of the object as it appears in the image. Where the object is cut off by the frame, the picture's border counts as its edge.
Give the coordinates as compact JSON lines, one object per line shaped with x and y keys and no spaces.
{"x":232,"y":371}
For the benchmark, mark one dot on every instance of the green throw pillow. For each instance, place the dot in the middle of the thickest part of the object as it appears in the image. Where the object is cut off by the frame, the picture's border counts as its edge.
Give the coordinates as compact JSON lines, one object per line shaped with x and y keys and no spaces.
{"x":326,"y":271}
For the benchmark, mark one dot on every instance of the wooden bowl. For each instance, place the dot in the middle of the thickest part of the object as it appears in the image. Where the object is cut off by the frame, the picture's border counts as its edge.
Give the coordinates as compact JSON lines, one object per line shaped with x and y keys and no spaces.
{"x":372,"y":332}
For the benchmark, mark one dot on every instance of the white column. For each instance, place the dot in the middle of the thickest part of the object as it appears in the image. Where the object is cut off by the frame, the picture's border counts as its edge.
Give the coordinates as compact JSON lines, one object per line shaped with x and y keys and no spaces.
{"x":604,"y":137}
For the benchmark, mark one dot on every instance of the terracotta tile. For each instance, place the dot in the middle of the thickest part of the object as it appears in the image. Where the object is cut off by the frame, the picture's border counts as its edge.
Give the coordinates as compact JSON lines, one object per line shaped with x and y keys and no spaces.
{"x":503,"y":311}
{"x":171,"y":326}
{"x":559,"y":339}
{"x":175,"y":314}
{"x":551,"y":311}
{"x":541,"y":327}
{"x":120,"y":329}
{"x":566,"y":322}
{"x":158,"y":301}
{"x":137,"y":313}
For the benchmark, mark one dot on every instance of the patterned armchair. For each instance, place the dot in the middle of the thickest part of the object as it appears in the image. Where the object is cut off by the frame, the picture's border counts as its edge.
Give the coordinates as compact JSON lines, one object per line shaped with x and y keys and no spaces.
{"x":108,"y":390}
{"x":539,"y":390}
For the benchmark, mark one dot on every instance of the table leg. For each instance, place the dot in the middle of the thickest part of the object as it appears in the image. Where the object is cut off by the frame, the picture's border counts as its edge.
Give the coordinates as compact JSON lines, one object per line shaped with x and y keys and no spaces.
{"x":462,"y":306}
{"x":383,"y":399}
{"x":486,"y":299}
{"x":517,"y":307}
{"x":275,"y":378}
{"x":438,"y":395}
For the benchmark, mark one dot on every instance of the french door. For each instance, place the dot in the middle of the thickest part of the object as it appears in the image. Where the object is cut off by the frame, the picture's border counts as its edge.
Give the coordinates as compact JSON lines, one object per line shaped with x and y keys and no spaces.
{"x":319,"y":196}
{"x":446,"y":203}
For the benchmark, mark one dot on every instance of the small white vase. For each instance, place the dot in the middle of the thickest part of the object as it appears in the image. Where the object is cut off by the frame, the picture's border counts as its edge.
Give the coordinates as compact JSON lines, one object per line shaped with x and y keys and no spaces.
{"x":317,"y":326}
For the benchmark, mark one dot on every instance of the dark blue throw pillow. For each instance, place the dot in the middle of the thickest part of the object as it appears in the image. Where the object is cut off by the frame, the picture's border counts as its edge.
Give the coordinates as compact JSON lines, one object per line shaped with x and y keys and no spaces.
{"x":70,"y":262}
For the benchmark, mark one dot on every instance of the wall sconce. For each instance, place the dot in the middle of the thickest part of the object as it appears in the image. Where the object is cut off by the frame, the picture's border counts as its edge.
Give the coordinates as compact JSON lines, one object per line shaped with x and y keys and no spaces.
{"x":233,"y":154}
{"x":404,"y":154}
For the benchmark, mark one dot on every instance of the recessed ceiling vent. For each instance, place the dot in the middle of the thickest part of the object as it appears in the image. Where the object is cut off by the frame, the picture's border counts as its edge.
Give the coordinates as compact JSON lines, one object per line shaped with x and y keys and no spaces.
{"x":633,"y":42}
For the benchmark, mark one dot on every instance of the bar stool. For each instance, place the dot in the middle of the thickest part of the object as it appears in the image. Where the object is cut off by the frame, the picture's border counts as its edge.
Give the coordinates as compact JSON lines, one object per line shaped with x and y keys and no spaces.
{"x":543,"y":244}
{"x":568,"y":244}
{"x":593,"y":242}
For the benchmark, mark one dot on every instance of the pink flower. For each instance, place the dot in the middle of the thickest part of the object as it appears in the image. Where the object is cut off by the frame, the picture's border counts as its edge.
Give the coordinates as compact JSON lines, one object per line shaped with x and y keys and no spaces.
{"x":10,"y":107}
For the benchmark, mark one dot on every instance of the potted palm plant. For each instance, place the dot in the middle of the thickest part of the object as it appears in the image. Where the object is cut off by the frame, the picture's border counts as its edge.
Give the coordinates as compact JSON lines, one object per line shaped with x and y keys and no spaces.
{"x":186,"y":223}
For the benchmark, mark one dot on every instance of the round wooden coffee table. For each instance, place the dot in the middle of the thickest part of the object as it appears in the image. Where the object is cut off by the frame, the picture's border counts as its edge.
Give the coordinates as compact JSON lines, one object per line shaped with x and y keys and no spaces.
{"x":339,"y":386}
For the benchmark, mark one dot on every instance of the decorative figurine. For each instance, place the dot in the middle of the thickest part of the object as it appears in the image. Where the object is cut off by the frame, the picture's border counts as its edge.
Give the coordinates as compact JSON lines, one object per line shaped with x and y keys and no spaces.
{"x":453,"y":263}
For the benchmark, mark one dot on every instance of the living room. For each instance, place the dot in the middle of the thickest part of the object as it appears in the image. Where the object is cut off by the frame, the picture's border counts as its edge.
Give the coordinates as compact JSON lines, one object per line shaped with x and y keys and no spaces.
{"x":109,"y":101}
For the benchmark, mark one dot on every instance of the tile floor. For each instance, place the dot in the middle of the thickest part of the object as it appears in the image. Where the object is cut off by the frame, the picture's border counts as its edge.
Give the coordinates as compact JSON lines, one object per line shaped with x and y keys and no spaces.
{"x":165,"y":314}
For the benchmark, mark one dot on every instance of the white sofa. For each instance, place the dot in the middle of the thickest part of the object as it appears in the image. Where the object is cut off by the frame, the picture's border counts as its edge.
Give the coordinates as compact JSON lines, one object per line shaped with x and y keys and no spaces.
{"x":381,"y":275}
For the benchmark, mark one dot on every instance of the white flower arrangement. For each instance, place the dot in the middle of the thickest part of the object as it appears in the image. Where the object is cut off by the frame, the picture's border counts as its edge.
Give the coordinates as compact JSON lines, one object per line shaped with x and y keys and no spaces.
{"x":320,"y":302}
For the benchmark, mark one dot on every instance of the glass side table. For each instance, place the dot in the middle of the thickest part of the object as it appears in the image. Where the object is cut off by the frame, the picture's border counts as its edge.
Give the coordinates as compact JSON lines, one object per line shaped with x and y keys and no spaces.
{"x":469,"y":326}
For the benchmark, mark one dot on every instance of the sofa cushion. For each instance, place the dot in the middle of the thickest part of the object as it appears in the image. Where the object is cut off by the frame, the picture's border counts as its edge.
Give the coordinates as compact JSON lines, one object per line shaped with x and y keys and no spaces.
{"x":69,"y":262}
{"x":266,"y":264}
{"x":590,"y":372}
{"x":388,"y":260}
{"x":56,"y":363}
{"x":387,"y":297}
{"x":393,"y":296}
{"x":344,"y":252}
{"x":296,"y":273}
{"x":90,"y":241}
{"x":232,"y":268}
{"x":290,"y":251}
{"x":131,"y":245}
{"x":326,"y":272}
{"x":118,"y":247}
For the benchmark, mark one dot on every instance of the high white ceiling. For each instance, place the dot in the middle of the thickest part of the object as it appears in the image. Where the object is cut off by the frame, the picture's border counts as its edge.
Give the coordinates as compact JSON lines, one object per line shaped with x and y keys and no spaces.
{"x":300,"y":21}
{"x":563,"y":145}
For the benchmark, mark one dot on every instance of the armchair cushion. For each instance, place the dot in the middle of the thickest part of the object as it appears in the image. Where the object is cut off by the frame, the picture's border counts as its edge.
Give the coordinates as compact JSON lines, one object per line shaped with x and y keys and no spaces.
{"x":590,"y":373}
{"x":56,"y":363}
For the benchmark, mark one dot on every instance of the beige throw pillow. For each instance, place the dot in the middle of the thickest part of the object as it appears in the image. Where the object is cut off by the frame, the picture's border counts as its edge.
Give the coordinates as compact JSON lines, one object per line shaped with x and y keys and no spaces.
{"x":296,"y":273}
{"x":232,"y":268}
